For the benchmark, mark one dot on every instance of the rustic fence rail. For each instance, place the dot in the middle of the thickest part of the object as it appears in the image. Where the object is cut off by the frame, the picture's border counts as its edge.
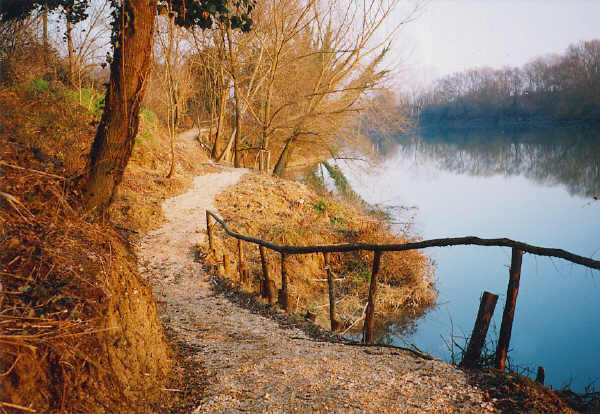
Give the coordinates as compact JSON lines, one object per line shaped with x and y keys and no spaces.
{"x":446,"y":242}
{"x":518,"y":248}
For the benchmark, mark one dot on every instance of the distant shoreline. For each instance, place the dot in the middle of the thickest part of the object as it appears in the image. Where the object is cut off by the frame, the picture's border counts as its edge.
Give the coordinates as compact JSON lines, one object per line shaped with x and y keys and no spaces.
{"x":504,"y":124}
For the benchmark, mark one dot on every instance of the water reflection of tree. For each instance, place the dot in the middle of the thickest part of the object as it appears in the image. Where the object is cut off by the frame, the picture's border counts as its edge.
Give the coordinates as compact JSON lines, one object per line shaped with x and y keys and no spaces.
{"x":567,"y":156}
{"x":393,"y":333}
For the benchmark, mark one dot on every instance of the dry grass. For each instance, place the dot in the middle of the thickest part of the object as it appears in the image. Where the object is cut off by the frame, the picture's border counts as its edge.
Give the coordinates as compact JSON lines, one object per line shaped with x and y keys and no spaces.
{"x":78,"y":327}
{"x":289,"y":213}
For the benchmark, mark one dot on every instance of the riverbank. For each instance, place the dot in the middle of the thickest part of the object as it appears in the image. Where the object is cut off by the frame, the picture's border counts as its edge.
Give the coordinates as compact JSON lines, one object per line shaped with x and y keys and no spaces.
{"x":537,"y":187}
{"x":256,"y":358}
{"x":502,"y":125}
{"x":81,"y":330}
{"x":188,"y":314}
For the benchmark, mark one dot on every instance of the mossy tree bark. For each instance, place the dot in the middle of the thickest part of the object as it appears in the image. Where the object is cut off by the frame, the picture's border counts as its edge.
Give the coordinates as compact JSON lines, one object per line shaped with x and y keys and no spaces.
{"x":130,"y":71}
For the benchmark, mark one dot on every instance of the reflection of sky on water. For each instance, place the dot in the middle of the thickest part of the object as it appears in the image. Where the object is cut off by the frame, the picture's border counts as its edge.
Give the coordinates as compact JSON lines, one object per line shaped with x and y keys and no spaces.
{"x":556,"y":323}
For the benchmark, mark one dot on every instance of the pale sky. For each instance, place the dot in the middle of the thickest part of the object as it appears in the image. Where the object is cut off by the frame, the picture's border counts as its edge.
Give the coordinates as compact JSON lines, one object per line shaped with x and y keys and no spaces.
{"x":454,"y":35}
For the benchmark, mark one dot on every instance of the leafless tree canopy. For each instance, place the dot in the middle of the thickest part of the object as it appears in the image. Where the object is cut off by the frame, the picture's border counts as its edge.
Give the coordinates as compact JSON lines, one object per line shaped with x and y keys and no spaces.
{"x":299,"y":83}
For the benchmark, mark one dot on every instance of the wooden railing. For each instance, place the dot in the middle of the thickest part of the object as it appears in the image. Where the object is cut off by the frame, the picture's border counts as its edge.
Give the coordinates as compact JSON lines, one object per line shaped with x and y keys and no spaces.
{"x":488,"y":302}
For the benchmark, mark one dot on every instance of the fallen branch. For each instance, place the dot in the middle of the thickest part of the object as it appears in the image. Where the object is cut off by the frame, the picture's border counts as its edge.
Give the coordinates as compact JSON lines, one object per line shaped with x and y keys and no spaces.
{"x":17,"y":407}
{"x":32,"y":170}
{"x":16,"y":204}
{"x":362,"y":315}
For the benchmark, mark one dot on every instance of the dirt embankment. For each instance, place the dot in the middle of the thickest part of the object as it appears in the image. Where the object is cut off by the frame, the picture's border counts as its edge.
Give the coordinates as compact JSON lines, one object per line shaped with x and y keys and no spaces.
{"x":78,"y":327}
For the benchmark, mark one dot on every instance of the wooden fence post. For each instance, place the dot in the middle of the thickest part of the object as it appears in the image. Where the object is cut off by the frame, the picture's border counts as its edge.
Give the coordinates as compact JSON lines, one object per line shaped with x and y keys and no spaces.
{"x":509,"y":308}
{"x":241,"y":264}
{"x":226,"y":265}
{"x":284,"y":300}
{"x":209,"y":232}
{"x":268,"y":161}
{"x":370,"y":312}
{"x":335,"y":325}
{"x":267,"y":287}
{"x":541,"y":375}
{"x":482,"y":323}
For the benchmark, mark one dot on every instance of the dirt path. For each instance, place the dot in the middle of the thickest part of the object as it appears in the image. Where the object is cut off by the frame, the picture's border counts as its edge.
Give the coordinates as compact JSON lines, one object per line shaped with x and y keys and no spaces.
{"x":255,"y":365}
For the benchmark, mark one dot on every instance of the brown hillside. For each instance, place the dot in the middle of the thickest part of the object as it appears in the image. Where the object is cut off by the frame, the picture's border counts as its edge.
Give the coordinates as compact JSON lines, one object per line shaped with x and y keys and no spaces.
{"x":78,"y":328}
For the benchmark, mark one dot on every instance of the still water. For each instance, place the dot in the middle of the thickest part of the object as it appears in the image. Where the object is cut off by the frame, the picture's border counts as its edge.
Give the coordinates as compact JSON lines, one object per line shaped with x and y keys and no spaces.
{"x":537,"y":188}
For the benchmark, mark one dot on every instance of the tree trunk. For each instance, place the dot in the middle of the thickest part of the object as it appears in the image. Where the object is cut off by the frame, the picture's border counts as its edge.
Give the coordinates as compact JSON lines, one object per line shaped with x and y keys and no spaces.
{"x":71,"y":52}
{"x":222,"y":102}
{"x":225,"y":154}
{"x":285,"y":156}
{"x":211,"y":124}
{"x":172,"y":146}
{"x":267,"y":116}
{"x":172,"y":91}
{"x":236,"y":96}
{"x":130,"y":71}
{"x":45,"y":28}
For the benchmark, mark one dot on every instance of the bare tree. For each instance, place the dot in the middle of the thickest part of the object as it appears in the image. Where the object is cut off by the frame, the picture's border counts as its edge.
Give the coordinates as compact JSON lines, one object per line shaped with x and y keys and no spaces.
{"x":300,"y":79}
{"x":91,"y":40}
{"x":169,"y":64}
{"x":304,"y":73}
{"x":343,"y":64}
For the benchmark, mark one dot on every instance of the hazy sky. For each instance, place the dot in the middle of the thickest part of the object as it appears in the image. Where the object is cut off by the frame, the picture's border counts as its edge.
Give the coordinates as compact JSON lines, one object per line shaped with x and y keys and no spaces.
{"x":453,"y":35}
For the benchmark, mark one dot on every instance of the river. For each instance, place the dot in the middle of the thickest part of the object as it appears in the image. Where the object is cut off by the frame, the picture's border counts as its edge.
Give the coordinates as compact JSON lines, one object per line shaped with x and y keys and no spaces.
{"x":536,"y":187}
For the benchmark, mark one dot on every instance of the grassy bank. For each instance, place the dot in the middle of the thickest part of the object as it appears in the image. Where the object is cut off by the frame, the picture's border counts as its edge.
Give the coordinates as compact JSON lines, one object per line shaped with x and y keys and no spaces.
{"x":287,"y":212}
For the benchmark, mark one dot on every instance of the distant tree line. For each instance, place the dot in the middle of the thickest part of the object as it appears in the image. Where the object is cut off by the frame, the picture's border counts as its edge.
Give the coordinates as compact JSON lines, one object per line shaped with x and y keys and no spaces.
{"x":554,"y":88}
